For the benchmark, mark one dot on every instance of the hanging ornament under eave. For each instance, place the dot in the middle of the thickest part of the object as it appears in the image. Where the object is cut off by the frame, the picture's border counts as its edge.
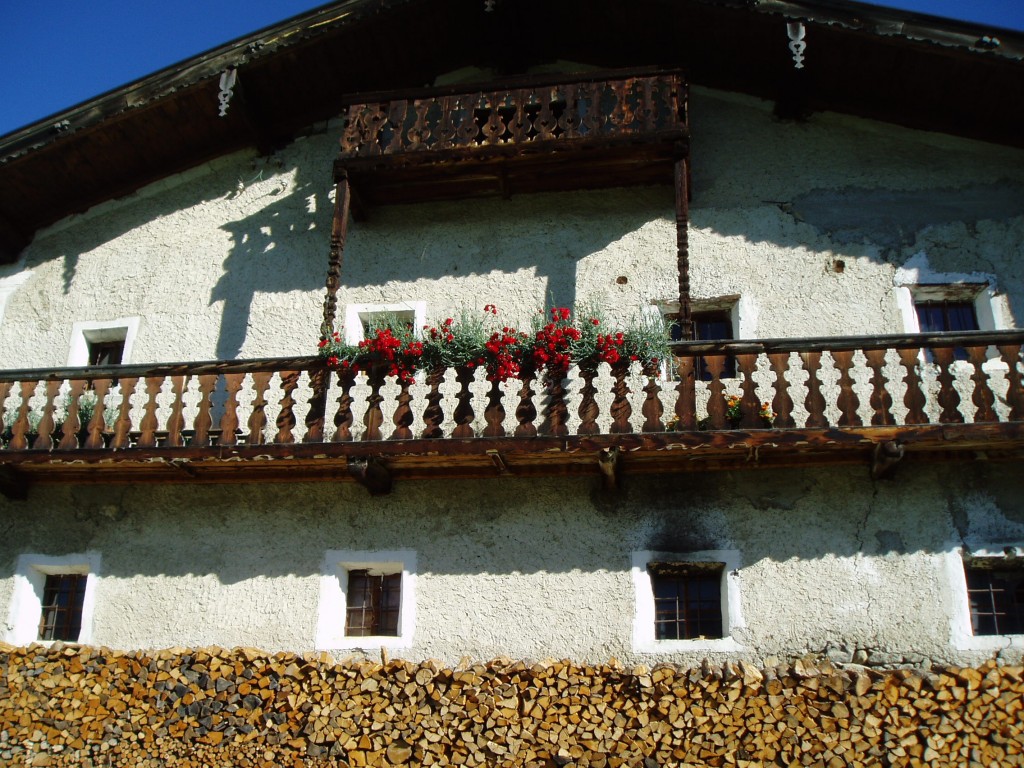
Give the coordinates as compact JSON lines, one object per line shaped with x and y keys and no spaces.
{"x":796,"y":32}
{"x":227,"y":85}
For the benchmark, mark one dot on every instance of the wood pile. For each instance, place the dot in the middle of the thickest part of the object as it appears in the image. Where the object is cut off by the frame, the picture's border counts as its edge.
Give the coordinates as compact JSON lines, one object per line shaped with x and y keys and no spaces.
{"x":81,"y":706}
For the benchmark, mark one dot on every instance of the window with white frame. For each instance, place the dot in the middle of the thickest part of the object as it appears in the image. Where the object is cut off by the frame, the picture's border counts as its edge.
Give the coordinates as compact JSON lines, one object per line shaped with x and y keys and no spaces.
{"x":360,"y":318}
{"x":713,"y":319}
{"x":988,"y":590}
{"x":367,"y":599}
{"x":686,"y":601}
{"x":54,"y":598}
{"x":102,"y":342}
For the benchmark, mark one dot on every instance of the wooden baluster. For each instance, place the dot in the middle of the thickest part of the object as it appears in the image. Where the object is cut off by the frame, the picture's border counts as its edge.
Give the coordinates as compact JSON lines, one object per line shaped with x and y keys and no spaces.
{"x":397,"y":110}
{"x":43,"y":441}
{"x":374,"y":417}
{"x":847,"y":399}
{"x":351,"y":136}
{"x":204,"y":420}
{"x":520,"y":125}
{"x":620,"y":117}
{"x":320,"y":382}
{"x":463,"y":414}
{"x":97,"y":426}
{"x":588,"y":410}
{"x":545,"y":123}
{"x":148,"y":425}
{"x":5,"y":391}
{"x":914,"y":399}
{"x":286,"y":418}
{"x":433,"y":414}
{"x":258,"y":417}
{"x":176,"y":421}
{"x":983,"y":397}
{"x":123,"y":425}
{"x":373,"y":118}
{"x":569,"y":122}
{"x":526,"y":412}
{"x":344,"y":418}
{"x":621,"y":410}
{"x":494,"y":412}
{"x":1014,"y":385}
{"x":949,"y":399}
{"x":718,"y":415}
{"x":466,"y":133}
{"x":21,"y":427}
{"x":445,"y":130}
{"x":72,"y":421}
{"x":229,"y":419}
{"x":419,"y":133}
{"x":686,"y":394}
{"x":881,"y":400}
{"x":403,"y":414}
{"x":815,"y":400}
{"x":649,"y":106}
{"x":750,"y":406}
{"x":782,"y":403}
{"x":494,"y":128}
{"x":652,"y":409}
{"x":556,"y":412}
{"x":593,"y":120}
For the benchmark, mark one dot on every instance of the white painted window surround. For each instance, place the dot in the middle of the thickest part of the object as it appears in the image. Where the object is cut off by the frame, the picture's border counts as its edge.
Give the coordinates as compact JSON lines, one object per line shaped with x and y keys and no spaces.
{"x":82,"y":333}
{"x":26,"y":607}
{"x":962,"y":636}
{"x":643,"y":618}
{"x":330,"y":628}
{"x":741,"y":309}
{"x":358,"y":314}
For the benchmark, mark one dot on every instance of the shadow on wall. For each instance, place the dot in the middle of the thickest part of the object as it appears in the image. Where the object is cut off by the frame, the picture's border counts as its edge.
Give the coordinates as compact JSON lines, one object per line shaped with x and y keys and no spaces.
{"x":282,"y":247}
{"x":241,"y":532}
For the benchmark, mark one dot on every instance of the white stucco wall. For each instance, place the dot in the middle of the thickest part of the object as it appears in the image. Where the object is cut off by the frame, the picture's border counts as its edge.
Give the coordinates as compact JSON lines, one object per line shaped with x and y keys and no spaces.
{"x":228,"y":260}
{"x":828,"y":561}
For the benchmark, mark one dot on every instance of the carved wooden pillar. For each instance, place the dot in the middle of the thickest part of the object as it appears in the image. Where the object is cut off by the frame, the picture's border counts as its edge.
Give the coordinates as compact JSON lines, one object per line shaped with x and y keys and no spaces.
{"x":339,"y":231}
{"x":682,"y":190}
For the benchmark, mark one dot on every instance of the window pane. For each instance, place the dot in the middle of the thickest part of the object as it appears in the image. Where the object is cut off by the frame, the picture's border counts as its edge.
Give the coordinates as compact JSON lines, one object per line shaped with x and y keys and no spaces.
{"x":373,"y":604}
{"x":687,"y":605}
{"x":996,"y":597}
{"x":63,"y":597}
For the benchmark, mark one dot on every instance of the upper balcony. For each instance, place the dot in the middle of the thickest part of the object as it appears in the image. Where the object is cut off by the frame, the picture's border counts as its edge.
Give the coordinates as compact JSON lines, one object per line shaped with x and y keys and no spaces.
{"x":796,"y":402}
{"x":607,"y":129}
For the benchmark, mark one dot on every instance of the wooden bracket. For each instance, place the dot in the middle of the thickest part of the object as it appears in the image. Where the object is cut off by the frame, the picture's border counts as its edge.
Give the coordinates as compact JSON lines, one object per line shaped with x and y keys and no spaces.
{"x":608,"y":463}
{"x":498,"y":460}
{"x":372,"y":474}
{"x":13,"y":485}
{"x":887,"y":455}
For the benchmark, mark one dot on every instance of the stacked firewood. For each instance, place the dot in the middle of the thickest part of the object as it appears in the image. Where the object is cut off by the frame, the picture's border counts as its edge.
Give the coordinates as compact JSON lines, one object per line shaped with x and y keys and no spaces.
{"x":78,"y":706}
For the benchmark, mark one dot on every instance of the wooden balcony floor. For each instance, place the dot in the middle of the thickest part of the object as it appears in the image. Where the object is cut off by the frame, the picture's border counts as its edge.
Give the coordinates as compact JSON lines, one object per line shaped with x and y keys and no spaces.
{"x":641,"y":453}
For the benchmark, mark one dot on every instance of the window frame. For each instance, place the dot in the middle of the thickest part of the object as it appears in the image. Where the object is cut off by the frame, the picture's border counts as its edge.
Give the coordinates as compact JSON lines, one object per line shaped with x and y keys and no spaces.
{"x":356,"y":315}
{"x":26,"y":609}
{"x":332,"y":610}
{"x":644,"y":635}
{"x":88,"y":332}
{"x":955,"y":565}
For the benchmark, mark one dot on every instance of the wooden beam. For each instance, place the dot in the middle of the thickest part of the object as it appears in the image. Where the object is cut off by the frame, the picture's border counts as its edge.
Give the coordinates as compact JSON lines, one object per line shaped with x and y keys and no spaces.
{"x":886,"y":456}
{"x":683,"y":243}
{"x":339,"y":232}
{"x":372,"y":474}
{"x":608,"y":463}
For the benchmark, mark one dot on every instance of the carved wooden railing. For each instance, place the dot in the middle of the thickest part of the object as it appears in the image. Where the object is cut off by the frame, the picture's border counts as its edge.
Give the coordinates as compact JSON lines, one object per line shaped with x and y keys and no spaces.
{"x":807,"y":383}
{"x":540,"y":115}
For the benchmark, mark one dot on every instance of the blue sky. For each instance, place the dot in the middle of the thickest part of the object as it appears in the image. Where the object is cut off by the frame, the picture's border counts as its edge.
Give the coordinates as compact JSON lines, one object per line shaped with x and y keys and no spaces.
{"x":59,"y":53}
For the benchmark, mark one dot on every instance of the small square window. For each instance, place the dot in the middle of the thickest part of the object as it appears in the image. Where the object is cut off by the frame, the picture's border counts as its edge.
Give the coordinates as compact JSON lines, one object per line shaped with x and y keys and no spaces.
{"x":63,"y":601}
{"x":946,"y":317}
{"x":373,"y":603}
{"x":712,"y":325}
{"x":687,"y":600}
{"x":995,"y":592}
{"x":367,"y":599}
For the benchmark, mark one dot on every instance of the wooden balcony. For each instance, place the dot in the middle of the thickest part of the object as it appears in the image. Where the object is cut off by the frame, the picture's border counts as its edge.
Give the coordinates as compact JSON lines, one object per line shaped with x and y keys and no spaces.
{"x":605,"y":130}
{"x":874,"y":401}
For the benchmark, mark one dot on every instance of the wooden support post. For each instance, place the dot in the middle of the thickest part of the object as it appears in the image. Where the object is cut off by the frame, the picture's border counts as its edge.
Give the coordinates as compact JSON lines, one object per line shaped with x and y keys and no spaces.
{"x":372,"y":474}
{"x":339,"y":231}
{"x":887,"y":455}
{"x":683,"y":243}
{"x":608,"y":463}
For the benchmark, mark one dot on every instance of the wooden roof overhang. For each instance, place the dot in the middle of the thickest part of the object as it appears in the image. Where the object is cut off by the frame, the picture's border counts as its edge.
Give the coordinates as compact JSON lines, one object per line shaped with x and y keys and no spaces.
{"x":889,"y":65}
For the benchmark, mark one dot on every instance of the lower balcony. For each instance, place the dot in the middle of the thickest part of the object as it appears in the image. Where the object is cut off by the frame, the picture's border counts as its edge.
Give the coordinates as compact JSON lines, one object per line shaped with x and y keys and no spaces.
{"x":877,"y":401}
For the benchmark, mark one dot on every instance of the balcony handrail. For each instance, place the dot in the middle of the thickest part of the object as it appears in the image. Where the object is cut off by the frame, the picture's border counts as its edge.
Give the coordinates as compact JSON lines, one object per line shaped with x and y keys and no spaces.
{"x":680,"y":348}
